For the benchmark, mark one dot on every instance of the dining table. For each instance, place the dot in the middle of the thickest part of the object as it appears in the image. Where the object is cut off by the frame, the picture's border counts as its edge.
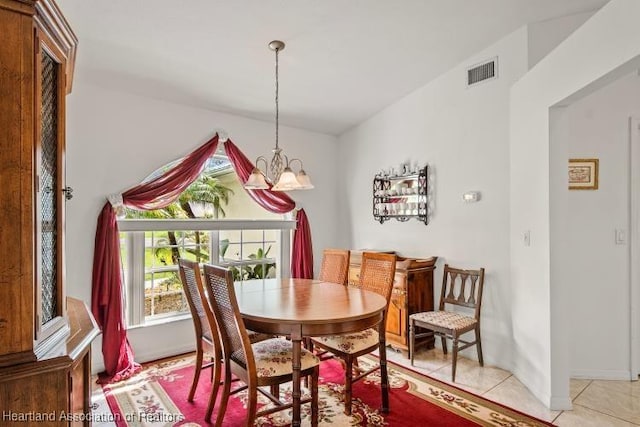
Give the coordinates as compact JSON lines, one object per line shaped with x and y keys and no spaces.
{"x":299,"y":308}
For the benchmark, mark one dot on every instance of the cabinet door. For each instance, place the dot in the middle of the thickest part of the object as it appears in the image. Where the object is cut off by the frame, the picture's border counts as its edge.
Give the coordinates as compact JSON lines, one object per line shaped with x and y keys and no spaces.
{"x":395,"y":318}
{"x":16,"y":206}
{"x":49,"y":184}
{"x":80,"y":389}
{"x":396,"y":330}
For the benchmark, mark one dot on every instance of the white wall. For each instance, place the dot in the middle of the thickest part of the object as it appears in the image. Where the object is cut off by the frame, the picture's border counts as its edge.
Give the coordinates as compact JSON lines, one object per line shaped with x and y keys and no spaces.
{"x":596,"y":267}
{"x":603,"y":49}
{"x":462,"y":133}
{"x":115,"y":139}
{"x":544,"y":36}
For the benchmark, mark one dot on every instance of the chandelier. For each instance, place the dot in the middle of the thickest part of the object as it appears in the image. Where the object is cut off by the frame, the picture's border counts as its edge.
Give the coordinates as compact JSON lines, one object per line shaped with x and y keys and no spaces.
{"x":279,"y":169}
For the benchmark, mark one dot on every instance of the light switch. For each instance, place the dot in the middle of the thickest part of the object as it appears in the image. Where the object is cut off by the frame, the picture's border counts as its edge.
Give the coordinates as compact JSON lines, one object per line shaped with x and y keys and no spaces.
{"x":526,"y":238}
{"x":621,"y":237}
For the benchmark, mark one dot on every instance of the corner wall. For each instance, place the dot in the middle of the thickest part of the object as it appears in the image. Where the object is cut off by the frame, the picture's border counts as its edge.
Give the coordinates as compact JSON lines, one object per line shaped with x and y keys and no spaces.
{"x":596,"y":266}
{"x":116,"y":139}
{"x":544,"y":36}
{"x":462,"y":133}
{"x":603,"y":49}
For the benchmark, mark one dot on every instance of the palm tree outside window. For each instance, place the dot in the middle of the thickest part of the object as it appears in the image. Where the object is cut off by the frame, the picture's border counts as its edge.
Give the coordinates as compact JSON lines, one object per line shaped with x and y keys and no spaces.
{"x":150,"y":256}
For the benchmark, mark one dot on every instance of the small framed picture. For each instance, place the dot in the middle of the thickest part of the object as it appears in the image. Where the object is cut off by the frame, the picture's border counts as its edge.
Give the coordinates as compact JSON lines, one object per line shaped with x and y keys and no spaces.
{"x":583,"y":174}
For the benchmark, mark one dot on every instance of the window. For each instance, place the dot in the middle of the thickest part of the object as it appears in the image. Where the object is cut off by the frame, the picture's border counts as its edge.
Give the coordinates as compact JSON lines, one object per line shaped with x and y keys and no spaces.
{"x":252,"y":249}
{"x":214,"y":221}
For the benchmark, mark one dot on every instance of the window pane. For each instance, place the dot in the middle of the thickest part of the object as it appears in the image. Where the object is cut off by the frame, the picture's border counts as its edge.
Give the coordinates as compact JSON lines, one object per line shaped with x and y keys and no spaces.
{"x":153,"y":286}
{"x":162,"y":286}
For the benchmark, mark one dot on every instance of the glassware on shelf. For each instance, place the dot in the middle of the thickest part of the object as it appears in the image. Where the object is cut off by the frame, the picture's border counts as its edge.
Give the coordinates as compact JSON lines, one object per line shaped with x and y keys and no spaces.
{"x":401,"y":192}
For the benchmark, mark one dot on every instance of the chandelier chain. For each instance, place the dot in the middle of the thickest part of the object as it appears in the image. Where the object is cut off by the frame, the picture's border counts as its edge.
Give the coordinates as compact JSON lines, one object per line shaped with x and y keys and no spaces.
{"x":278,"y":174}
{"x":277,"y":103}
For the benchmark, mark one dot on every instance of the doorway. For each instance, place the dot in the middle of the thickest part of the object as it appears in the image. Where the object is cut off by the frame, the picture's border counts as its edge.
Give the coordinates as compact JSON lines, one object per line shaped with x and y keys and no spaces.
{"x":634,"y":285}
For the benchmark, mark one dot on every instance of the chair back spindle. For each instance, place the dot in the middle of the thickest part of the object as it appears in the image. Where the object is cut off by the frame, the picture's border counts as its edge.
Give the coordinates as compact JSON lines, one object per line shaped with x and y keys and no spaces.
{"x":462,"y":288}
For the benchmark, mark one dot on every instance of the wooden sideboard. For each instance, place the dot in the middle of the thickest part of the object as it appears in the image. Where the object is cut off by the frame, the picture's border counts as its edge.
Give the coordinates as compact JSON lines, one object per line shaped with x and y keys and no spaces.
{"x":412,"y":293}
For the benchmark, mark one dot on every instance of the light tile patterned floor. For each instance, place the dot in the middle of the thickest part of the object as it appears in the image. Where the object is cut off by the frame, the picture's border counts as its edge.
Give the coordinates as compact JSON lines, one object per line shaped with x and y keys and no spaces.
{"x":595,"y":403}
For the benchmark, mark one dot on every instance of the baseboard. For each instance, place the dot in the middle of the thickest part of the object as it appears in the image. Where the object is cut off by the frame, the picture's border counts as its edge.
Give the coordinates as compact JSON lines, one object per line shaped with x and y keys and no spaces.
{"x":601,"y":374}
{"x":542,"y":396}
{"x":561,"y":403}
{"x":142,"y":356}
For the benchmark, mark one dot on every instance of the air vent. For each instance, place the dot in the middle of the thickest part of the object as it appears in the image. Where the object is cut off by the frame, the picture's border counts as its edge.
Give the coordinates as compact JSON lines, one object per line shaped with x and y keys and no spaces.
{"x":484,"y":71}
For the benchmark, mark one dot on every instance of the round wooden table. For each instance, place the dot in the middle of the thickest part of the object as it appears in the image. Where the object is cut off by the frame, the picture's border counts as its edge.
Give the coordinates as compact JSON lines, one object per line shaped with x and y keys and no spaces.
{"x":301,"y":308}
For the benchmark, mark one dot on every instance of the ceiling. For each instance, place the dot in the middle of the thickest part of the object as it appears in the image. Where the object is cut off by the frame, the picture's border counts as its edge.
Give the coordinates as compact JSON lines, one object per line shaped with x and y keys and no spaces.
{"x":344,"y":60}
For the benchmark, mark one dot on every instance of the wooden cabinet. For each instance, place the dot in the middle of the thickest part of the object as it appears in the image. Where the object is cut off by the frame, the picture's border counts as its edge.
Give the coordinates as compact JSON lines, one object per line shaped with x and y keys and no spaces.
{"x":36,"y":52}
{"x":56,"y":389}
{"x":412,"y":293}
{"x":43,"y":354}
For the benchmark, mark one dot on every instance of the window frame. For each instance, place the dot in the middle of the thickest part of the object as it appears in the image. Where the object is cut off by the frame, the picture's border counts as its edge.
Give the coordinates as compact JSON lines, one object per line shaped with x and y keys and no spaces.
{"x":135,"y":248}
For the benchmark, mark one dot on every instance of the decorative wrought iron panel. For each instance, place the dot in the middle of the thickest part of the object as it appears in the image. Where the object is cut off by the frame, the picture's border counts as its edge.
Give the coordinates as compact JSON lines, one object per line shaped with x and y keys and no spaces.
{"x":48,"y":188}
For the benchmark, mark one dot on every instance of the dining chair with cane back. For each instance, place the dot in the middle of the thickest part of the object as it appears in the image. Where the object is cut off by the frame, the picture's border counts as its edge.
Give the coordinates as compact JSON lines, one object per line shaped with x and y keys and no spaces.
{"x":335,"y":266}
{"x":206,"y":330}
{"x":266,"y":363}
{"x":452,"y":324}
{"x":376,"y":274}
{"x":204,"y":326}
{"x":334,"y":269}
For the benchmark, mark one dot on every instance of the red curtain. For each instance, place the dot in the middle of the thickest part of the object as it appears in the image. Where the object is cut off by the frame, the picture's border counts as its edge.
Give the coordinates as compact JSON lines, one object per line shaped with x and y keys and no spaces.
{"x":278,"y":202}
{"x":107,"y":295}
{"x":302,"y":262}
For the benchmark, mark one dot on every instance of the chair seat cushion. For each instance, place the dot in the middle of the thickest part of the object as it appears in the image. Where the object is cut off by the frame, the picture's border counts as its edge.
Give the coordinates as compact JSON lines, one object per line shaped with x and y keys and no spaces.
{"x":257,"y":336}
{"x":274,"y":357}
{"x":350,"y":343}
{"x":445,"y":319}
{"x":253,"y":336}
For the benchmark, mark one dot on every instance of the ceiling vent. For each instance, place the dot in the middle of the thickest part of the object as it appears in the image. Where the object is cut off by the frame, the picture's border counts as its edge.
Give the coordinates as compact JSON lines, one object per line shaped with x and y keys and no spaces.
{"x":487,"y":70}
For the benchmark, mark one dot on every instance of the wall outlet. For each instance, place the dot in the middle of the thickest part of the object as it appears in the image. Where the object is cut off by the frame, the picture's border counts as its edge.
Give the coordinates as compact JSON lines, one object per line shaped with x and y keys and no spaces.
{"x":526,"y":238}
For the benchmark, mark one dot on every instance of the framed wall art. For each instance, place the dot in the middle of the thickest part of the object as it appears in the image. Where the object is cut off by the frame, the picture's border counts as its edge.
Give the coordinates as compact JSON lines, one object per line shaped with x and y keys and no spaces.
{"x":583,"y":174}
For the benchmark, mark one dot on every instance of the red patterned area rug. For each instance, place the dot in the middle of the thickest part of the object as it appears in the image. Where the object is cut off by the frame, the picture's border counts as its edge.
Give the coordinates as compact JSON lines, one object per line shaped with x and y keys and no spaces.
{"x":157,"y":396}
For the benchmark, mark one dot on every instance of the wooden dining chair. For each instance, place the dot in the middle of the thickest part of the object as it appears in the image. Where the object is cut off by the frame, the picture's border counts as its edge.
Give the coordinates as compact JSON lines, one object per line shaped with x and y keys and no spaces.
{"x":335,"y":266}
{"x":204,"y":325}
{"x":452,"y":324}
{"x":376,"y":274}
{"x":266,"y":363}
{"x":206,"y":330}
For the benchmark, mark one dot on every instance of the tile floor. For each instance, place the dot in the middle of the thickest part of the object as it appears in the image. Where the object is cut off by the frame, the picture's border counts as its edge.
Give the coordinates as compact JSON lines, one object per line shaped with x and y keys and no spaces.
{"x":595,"y":403}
